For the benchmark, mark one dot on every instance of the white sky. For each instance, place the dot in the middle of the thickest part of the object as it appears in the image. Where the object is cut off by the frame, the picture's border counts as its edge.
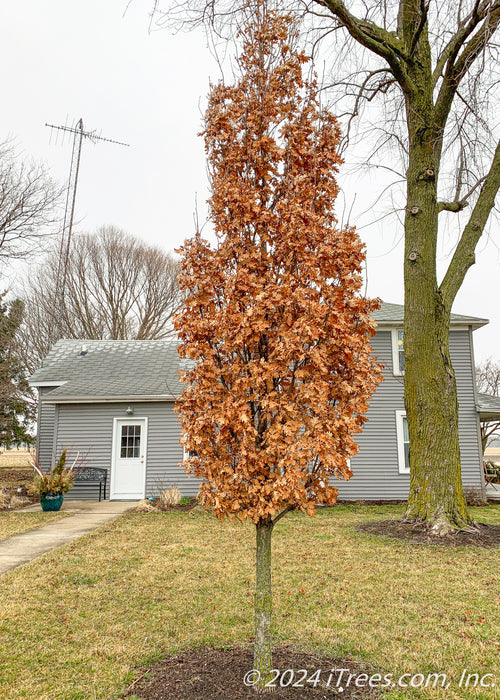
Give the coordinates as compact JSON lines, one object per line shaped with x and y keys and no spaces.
{"x":63,"y":60}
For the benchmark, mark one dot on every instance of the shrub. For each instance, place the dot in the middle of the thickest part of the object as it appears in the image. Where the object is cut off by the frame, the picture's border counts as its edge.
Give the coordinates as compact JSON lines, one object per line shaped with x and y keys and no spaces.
{"x":170,"y":497}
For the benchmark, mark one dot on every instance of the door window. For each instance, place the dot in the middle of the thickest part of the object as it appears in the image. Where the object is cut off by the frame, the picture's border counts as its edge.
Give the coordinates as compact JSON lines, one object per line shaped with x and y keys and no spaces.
{"x":130,"y":442}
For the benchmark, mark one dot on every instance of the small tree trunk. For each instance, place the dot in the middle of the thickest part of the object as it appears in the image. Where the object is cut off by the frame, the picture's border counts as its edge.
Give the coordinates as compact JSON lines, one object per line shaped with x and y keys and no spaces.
{"x":484,"y":439}
{"x":263,"y":602}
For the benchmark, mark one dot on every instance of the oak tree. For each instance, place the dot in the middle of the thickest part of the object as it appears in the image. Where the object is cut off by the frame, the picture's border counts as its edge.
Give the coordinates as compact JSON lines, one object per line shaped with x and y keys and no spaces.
{"x":273,"y":319}
{"x":432,"y":66}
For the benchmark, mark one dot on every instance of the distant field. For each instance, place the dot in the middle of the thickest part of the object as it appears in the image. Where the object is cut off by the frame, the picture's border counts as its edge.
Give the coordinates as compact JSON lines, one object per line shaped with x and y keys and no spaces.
{"x":16,"y":458}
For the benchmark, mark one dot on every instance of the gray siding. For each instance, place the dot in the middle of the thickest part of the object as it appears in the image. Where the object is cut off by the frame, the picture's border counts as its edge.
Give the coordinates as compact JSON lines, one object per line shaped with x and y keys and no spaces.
{"x":88,"y":428}
{"x":375,"y":467}
{"x":45,"y":432}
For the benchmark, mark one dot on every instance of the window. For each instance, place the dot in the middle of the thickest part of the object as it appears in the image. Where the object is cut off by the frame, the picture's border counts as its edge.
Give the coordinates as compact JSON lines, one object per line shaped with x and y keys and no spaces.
{"x":192,"y":453}
{"x":130,"y":443}
{"x":186,"y":454}
{"x":403,"y":442}
{"x":398,"y":353}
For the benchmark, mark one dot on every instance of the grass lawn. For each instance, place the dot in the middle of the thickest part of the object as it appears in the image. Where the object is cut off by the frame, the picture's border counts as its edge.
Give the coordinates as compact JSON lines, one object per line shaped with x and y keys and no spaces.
{"x":80,"y":621}
{"x":16,"y":521}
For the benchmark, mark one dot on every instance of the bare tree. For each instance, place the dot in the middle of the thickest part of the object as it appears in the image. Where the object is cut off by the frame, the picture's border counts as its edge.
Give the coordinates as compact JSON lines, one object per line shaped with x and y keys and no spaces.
{"x":433,"y":67}
{"x":29,"y":202}
{"x":117,"y":287}
{"x":488,"y":382}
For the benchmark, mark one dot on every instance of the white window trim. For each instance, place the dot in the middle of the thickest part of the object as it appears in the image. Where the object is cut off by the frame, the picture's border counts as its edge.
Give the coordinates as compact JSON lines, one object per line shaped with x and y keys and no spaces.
{"x":185,"y":453}
{"x":401,"y":442}
{"x":395,"y":352}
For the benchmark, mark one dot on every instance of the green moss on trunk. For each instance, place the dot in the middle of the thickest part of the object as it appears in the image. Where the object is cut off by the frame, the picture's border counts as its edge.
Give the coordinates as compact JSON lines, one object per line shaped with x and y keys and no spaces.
{"x":436,"y":496}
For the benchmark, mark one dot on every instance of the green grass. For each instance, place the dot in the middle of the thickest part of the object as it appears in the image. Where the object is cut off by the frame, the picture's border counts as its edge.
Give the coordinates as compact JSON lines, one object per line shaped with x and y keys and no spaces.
{"x":14,"y":522}
{"x":79,"y":622}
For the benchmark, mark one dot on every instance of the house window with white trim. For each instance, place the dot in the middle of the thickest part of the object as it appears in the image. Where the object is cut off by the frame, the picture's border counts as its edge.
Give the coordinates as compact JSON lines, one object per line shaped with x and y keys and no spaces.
{"x":403,"y":442}
{"x":186,"y":455}
{"x":398,"y":353}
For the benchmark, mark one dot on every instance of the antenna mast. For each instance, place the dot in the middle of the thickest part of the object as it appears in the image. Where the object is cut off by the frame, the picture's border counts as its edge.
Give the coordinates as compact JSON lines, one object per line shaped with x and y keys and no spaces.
{"x":79,"y":134}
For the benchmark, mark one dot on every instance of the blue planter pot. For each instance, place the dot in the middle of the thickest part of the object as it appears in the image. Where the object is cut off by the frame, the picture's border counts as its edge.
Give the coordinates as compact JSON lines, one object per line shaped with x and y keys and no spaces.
{"x":51,"y":501}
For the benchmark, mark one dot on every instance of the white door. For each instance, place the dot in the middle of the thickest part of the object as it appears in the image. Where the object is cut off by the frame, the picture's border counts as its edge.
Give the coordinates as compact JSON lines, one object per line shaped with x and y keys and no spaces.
{"x":128,"y":470}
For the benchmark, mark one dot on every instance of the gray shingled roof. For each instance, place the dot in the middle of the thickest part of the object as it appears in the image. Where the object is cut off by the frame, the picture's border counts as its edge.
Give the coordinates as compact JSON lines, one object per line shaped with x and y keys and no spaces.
{"x":126,"y":370}
{"x":392,"y":314}
{"x":111,"y":369}
{"x":488,"y":407}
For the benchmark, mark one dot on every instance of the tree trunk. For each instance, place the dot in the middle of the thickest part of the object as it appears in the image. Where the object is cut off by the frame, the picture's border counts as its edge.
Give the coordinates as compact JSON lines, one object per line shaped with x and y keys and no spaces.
{"x":484,"y":440}
{"x":436,"y":495}
{"x":263,"y":603}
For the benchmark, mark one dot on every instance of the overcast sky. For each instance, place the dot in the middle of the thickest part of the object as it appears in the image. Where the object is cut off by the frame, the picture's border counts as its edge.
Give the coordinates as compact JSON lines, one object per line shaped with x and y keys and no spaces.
{"x":64,"y":60}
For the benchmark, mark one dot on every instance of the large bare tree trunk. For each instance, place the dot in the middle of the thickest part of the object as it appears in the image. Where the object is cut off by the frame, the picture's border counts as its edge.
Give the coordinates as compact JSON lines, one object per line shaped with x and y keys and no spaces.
{"x":263,"y":602}
{"x":436,"y":495}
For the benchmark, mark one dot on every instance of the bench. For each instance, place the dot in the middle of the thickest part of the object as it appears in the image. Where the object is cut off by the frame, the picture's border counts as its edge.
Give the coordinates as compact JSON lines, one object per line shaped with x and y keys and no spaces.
{"x":90,"y":476}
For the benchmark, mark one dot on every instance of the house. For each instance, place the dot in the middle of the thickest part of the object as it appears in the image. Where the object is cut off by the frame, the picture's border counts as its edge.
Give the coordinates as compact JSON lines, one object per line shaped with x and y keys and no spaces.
{"x":113,"y":401}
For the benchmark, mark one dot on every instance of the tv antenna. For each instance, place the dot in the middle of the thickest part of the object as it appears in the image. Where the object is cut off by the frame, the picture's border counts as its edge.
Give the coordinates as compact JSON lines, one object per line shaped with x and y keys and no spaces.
{"x":79,"y":133}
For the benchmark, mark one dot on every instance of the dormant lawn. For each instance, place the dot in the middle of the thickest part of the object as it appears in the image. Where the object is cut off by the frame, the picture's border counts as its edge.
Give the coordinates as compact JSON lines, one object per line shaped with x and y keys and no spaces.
{"x":82,"y":621}
{"x":17,"y":521}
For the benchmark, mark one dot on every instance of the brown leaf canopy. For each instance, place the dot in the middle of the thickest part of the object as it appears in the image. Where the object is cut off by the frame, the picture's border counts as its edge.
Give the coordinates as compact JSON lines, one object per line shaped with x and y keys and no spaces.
{"x":273,"y":316}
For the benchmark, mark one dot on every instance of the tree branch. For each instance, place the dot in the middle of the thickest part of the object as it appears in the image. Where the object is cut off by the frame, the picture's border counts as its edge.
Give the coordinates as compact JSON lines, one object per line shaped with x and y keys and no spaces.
{"x":460,"y":204}
{"x":464,"y":30}
{"x":424,"y":11}
{"x":375,"y":38}
{"x":456,"y":206}
{"x":463,"y":257}
{"x":458,"y":66}
{"x":283,"y":513}
{"x":368,"y":94}
{"x":474,"y":47}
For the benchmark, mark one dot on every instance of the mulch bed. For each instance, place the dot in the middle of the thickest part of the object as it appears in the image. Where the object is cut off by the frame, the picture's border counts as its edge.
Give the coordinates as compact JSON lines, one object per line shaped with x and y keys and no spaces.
{"x":217,"y":674}
{"x":483,"y":536}
{"x":193,"y":502}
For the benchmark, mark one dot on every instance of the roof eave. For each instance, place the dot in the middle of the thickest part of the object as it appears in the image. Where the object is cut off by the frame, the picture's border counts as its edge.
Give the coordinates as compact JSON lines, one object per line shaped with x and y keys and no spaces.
{"x":489,"y":416}
{"x":53,"y":383}
{"x":488,"y":407}
{"x":455,"y":325}
{"x":108,"y":399}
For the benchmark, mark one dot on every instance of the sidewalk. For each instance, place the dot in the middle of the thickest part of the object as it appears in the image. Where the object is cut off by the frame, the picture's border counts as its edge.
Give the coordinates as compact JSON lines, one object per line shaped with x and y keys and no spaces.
{"x":84,"y":517}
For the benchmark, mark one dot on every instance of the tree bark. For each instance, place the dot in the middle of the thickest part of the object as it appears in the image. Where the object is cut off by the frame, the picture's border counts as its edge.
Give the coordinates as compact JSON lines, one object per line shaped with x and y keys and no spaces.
{"x":436,"y":495}
{"x":263,"y":603}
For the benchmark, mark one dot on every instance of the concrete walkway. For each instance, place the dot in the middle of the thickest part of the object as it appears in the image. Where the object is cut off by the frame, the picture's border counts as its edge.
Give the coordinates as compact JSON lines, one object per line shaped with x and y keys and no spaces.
{"x":84,"y":516}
